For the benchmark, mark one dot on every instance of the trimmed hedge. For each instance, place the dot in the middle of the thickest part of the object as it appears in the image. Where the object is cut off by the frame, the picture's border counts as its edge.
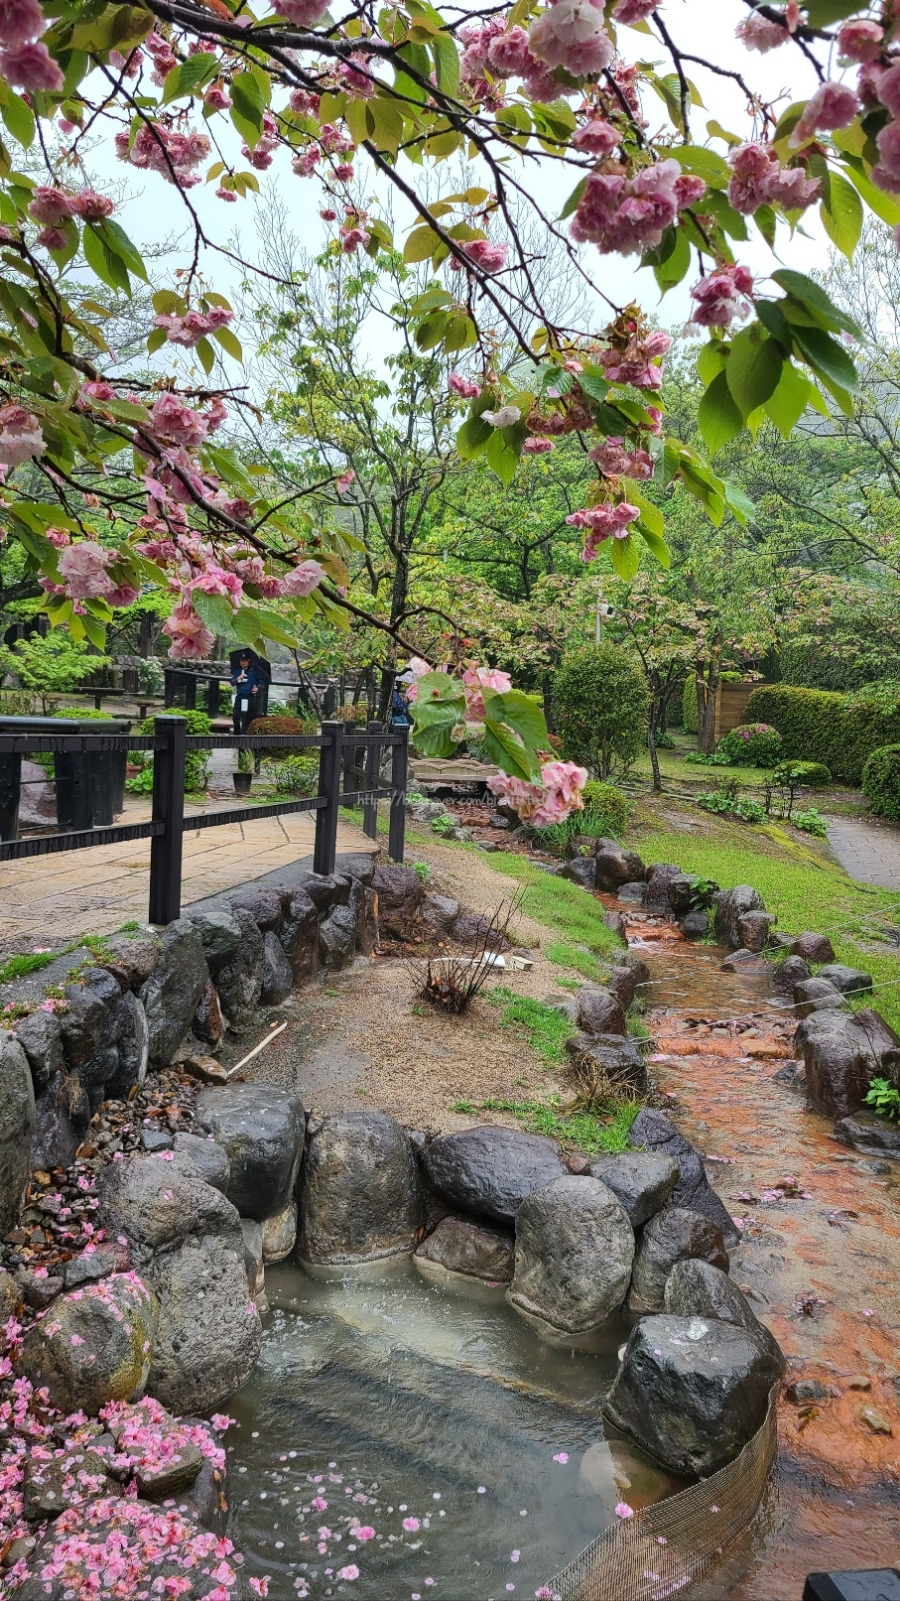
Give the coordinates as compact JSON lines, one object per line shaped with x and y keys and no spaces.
{"x":819,"y":725}
{"x":815,"y":774}
{"x":881,"y":782}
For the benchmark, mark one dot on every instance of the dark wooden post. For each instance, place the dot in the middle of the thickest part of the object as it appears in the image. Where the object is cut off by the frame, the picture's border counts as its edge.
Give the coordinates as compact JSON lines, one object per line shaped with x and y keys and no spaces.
{"x":330,"y":760}
{"x":189,"y":681}
{"x":349,"y":765}
{"x":399,"y":767}
{"x":213,"y":701}
{"x":373,"y":774}
{"x":168,"y":809}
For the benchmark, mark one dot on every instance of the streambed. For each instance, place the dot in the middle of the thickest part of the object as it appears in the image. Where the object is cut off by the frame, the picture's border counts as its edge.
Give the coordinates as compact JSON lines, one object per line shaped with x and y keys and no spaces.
{"x":382,"y":1399}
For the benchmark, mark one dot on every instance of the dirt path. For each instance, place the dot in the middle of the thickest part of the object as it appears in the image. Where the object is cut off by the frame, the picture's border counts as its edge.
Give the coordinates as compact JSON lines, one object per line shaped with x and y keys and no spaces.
{"x":819,"y":1259}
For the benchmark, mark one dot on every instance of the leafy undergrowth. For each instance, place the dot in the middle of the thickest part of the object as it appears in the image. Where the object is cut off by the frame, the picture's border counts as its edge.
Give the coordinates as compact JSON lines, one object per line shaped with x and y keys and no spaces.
{"x":546,"y":1030}
{"x":559,"y":905}
{"x":801,"y":887}
{"x":591,"y":1132}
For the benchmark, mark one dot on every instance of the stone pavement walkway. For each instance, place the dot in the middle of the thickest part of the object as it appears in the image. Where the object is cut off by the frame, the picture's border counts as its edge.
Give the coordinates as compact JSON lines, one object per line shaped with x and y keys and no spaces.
{"x":867,"y":849}
{"x":96,"y":890}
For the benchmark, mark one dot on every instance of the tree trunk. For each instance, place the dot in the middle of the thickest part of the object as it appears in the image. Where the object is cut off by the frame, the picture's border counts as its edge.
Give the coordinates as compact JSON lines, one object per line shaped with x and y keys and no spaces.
{"x":707,"y":694}
{"x":652,"y":729}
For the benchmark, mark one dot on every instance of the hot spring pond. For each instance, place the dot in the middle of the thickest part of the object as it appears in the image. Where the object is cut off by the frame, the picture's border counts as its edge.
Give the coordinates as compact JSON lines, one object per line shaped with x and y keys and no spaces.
{"x":402,"y":1440}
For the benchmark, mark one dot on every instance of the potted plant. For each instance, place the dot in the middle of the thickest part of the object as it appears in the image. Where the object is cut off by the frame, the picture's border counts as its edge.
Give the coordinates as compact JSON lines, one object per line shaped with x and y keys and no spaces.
{"x":243,"y":778}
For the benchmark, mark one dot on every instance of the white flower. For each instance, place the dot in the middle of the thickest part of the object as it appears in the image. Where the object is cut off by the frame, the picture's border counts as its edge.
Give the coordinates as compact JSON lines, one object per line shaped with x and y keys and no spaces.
{"x":503,"y":418}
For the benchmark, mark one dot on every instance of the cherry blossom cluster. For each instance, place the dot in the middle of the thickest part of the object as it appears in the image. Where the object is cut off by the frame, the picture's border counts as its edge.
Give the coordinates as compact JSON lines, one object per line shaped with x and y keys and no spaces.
{"x":193,"y":326}
{"x":722,"y":296}
{"x":606,"y":521}
{"x":629,"y":214}
{"x":172,"y":154}
{"x":559,"y":793}
{"x":616,"y":461}
{"x":53,"y":208}
{"x":25,"y":61}
{"x":20,"y":436}
{"x":759,"y":179}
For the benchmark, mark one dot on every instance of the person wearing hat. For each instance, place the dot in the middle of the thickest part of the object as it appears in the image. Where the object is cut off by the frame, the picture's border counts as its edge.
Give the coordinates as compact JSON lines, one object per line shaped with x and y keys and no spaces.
{"x":246,"y":680}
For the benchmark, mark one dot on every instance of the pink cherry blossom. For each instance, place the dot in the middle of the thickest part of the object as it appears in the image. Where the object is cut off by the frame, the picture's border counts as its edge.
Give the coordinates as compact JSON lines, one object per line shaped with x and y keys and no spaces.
{"x":761,"y":34}
{"x":596,"y":138}
{"x":720,"y":297}
{"x":191,"y":639}
{"x":31,"y":66}
{"x":20,"y":21}
{"x":476,"y":680}
{"x":411,"y":1525}
{"x":463,"y":386}
{"x":49,"y":205}
{"x":537,"y":446}
{"x":302,"y":13}
{"x":758,"y":179}
{"x":615,"y":461}
{"x":571,"y":34}
{"x":628,"y":215}
{"x":623,"y":1510}
{"x":90,"y":206}
{"x":490,"y":258}
{"x":834,"y":105}
{"x":303,"y":579}
{"x":20,"y":436}
{"x":861,"y":40}
{"x":630,"y":11}
{"x":603,"y":522}
{"x":175,"y":421}
{"x":503,"y":417}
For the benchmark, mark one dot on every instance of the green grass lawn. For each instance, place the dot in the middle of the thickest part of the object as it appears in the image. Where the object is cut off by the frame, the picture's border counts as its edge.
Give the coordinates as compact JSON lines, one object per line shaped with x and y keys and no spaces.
{"x":560,"y":906}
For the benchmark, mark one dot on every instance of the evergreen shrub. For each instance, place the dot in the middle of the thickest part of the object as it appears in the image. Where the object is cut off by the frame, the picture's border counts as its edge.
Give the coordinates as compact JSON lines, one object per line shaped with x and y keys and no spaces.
{"x":881,"y":782}
{"x":819,"y":725}
{"x":600,"y":703}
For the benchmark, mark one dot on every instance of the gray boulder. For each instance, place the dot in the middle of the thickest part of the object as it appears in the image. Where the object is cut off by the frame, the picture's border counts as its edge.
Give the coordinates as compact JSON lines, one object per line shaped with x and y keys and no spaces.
{"x":599,"y":1012}
{"x":81,"y":1024}
{"x":16,"y":1127}
{"x":670,"y":1237}
{"x":691,"y":1391}
{"x":754,"y":930}
{"x":813,"y":948}
{"x":132,"y":1043}
{"x":131,"y":958}
{"x":337,"y":938}
{"x":817,"y":995}
{"x":40,"y":1037}
{"x":473,"y":928}
{"x":220,"y":935}
{"x":264,"y":906}
{"x":793,"y":970}
{"x":842,"y":1051}
{"x":654,"y":1131}
{"x":261,"y":1130}
{"x":695,"y":925}
{"x":459,"y":1246}
{"x":731,"y":906}
{"x":622,"y":983}
{"x":96,"y":1346}
{"x":62,"y":1113}
{"x":299,"y":936}
{"x":240,"y":981}
{"x":635,"y":964}
{"x":490,"y":1171}
{"x":849,"y":980}
{"x":439,"y":912}
{"x":574,"y":1253}
{"x":656,"y":891}
{"x":363,"y":905}
{"x":360,"y":1197}
{"x":326,"y":890}
{"x":696,"y":1288}
{"x":206,"y":1159}
{"x":279,"y":1234}
{"x":631,"y":894}
{"x":681,"y":894}
{"x":615,"y":866}
{"x":642,"y":1181}
{"x":614,"y":1057}
{"x":582,"y":870}
{"x":874,"y":1136}
{"x":253,"y":1256}
{"x":173,"y":990}
{"x":400,"y":893}
{"x":278,"y":977}
{"x":186,"y":1241}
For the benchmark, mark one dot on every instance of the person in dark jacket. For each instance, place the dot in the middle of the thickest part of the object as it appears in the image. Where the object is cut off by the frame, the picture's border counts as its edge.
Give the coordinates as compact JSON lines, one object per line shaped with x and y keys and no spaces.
{"x":400,"y":717}
{"x":246,"y":681}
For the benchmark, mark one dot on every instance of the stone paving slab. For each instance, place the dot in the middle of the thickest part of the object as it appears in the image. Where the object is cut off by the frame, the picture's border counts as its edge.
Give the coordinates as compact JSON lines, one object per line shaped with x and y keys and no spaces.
{"x":49,"y":898}
{"x":867,"y":849}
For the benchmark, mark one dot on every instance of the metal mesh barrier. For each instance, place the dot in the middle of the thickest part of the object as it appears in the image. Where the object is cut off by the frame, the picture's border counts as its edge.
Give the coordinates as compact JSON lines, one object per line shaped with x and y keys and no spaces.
{"x":665,"y":1549}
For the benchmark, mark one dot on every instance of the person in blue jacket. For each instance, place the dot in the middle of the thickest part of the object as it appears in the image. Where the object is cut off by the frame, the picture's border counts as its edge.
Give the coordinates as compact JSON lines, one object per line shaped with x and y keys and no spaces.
{"x":246,"y":681}
{"x":400,"y":716}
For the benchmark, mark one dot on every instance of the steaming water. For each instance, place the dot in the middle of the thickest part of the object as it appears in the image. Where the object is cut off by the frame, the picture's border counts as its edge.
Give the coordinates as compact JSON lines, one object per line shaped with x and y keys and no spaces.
{"x":389,"y":1397}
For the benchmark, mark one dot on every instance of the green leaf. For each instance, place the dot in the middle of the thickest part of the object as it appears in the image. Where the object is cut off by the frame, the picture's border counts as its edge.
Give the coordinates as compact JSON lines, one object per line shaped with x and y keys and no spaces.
{"x":754,"y":368}
{"x":786,"y":405}
{"x":440,"y":689}
{"x":472,"y":438}
{"x":214,"y":610}
{"x":842,"y":213}
{"x":431,"y":330}
{"x":651,"y":516}
{"x":230,"y":343}
{"x":573,"y":200}
{"x":521,"y":713}
{"x":247,"y":107}
{"x":501,"y":455}
{"x":420,"y":245}
{"x":772,"y":317}
{"x":502,"y":747}
{"x":446,"y":63}
{"x":19,"y":118}
{"x":817,"y":302}
{"x":118,"y":242}
{"x":206,"y":354}
{"x":827,"y":358}
{"x":625,"y":556}
{"x":592,"y":380}
{"x":674,"y":259}
{"x":711,"y":359}
{"x":822,"y":13}
{"x":655,"y":545}
{"x":190,"y":75}
{"x":703,"y":163}
{"x":884,"y":206}
{"x":434,"y":741}
{"x":718,"y":415}
{"x":739,"y":504}
{"x":109,"y":268}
